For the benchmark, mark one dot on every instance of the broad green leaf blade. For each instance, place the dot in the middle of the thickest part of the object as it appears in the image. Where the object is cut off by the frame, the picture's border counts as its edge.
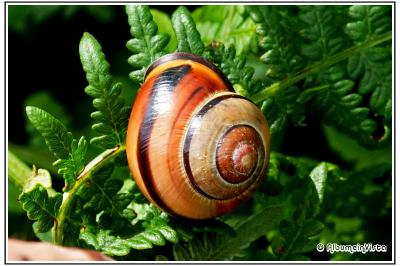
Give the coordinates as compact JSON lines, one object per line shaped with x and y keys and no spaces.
{"x":186,"y":32}
{"x":226,"y":24}
{"x":319,"y":175}
{"x":164,"y":24}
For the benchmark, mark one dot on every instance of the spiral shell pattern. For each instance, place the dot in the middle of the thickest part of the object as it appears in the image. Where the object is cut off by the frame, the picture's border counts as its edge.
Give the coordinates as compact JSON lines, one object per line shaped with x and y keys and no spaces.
{"x":196,"y":149}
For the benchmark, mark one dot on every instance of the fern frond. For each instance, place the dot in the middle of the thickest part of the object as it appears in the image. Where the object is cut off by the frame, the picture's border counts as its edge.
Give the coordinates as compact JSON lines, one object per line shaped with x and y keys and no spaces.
{"x":146,"y":45}
{"x":277,"y":28}
{"x":41,"y":207}
{"x":234,"y":67}
{"x":155,"y":231}
{"x":341,"y":106}
{"x":374,"y":65}
{"x":70,"y":153}
{"x":220,"y":246}
{"x":111,"y":117}
{"x":101,"y":198}
{"x":188,"y":37}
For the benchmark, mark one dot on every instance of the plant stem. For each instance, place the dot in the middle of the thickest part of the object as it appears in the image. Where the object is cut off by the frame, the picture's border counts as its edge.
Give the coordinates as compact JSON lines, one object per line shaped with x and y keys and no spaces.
{"x":69,"y":197}
{"x":318,"y":66}
{"x":18,"y":171}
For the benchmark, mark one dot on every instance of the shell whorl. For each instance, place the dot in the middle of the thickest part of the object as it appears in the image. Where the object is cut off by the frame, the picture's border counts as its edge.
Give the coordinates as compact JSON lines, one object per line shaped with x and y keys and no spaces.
{"x":196,"y":149}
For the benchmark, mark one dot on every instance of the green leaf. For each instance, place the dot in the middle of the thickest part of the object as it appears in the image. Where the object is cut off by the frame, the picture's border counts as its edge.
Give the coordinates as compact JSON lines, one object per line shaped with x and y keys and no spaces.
{"x":106,"y":243}
{"x":71,"y":167}
{"x":44,"y":100}
{"x":226,"y":24}
{"x":282,"y":110}
{"x":319,"y":175}
{"x":372,"y":65}
{"x":278,"y":29}
{"x":164,"y":24}
{"x":40,"y":207}
{"x":43,"y":236}
{"x":111,"y":117}
{"x":146,"y":45}
{"x":320,"y":31}
{"x":102,"y":201}
{"x":235,"y":69}
{"x":297,"y":240}
{"x":312,"y":228}
{"x":154,"y":231}
{"x":217,"y":246}
{"x":53,"y":131}
{"x":70,"y":153}
{"x":188,"y":37}
{"x":41,"y":177}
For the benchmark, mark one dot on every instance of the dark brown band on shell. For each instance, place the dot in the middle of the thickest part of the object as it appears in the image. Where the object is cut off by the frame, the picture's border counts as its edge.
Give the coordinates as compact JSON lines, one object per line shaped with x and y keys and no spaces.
{"x":182,"y":55}
{"x":172,"y":76}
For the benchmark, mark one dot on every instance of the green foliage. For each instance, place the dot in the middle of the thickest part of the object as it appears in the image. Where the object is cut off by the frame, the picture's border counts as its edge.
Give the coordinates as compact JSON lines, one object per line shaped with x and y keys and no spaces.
{"x":373,"y":66}
{"x":220,"y":246}
{"x":146,"y":44}
{"x":308,"y":68}
{"x":70,"y":152}
{"x":230,"y":25}
{"x":278,"y":29}
{"x":164,"y":24}
{"x":112,"y":115}
{"x":189,"y":39}
{"x":235,"y":68}
{"x":331,"y":89}
{"x":155,"y":232}
{"x":41,"y":207}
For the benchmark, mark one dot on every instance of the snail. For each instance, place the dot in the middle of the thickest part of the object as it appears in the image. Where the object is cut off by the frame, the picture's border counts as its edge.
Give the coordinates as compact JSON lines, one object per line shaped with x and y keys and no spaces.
{"x":195,"y":148}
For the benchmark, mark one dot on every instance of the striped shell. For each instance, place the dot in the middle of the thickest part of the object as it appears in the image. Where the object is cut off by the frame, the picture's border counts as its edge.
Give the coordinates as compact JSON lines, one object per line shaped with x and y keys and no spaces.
{"x":196,"y":149}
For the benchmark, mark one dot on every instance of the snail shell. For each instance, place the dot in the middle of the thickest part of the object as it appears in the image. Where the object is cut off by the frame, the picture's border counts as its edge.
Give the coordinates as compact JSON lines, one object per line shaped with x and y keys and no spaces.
{"x":196,"y":149}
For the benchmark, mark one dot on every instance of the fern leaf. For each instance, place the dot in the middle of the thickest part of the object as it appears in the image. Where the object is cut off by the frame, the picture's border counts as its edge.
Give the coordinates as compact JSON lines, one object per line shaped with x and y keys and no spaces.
{"x":234,"y":67}
{"x":341,"y":107}
{"x":188,"y":37}
{"x":217,"y":246}
{"x":295,"y":236}
{"x":278,"y":29}
{"x":70,"y":153}
{"x":154,"y":231}
{"x":372,"y":65}
{"x":101,"y":199}
{"x":112,"y":115}
{"x":320,"y":31}
{"x":146,"y":44}
{"x":41,"y":207}
{"x":57,"y":138}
